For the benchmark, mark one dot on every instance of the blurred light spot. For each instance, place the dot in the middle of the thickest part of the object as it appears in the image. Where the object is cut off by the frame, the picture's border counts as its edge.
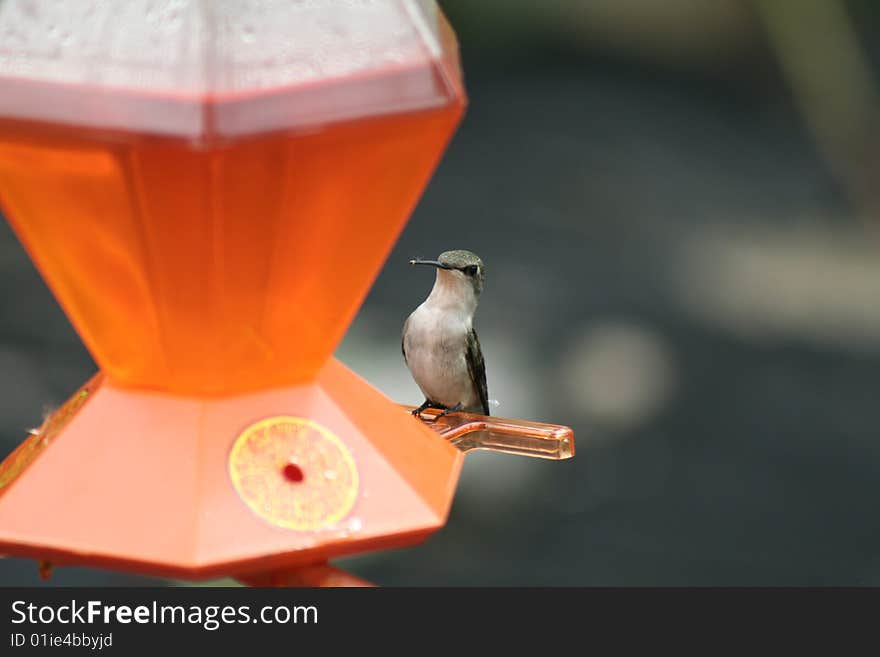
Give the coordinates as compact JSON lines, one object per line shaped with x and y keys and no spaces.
{"x":813,"y":285}
{"x":664,"y":30}
{"x":492,"y":484}
{"x":619,"y":374}
{"x":511,"y":375}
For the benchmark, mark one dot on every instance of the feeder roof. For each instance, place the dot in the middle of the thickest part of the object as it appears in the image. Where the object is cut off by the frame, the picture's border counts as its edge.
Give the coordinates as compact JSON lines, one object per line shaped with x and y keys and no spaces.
{"x":197,"y":68}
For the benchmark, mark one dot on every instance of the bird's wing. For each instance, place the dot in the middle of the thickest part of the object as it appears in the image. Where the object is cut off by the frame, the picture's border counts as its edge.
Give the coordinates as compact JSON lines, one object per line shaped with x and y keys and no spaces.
{"x":477,"y":368}
{"x":403,"y":340}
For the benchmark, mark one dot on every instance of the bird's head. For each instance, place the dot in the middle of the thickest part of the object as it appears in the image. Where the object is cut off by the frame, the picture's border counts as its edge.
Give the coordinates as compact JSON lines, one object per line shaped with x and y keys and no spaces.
{"x":458,"y":270}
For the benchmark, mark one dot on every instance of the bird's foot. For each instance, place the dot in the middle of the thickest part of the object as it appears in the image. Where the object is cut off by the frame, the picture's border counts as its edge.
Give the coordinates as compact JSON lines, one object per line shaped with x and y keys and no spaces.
{"x":448,"y":410}
{"x":417,"y":412}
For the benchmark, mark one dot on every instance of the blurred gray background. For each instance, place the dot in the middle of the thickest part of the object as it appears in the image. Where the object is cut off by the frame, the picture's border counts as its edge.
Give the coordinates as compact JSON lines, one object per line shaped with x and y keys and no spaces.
{"x":676,"y":203}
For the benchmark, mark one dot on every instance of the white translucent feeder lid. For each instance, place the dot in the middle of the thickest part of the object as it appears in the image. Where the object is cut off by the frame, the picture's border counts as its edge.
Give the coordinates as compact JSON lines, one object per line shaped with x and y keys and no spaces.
{"x":222,"y":68}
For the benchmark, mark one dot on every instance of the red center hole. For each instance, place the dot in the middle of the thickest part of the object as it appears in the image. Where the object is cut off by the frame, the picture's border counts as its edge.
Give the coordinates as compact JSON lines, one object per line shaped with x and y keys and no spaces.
{"x":292,"y":472}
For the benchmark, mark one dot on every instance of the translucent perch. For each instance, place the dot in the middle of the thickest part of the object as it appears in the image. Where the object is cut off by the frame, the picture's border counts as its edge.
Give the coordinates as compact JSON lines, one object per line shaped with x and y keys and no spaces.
{"x":467,"y":432}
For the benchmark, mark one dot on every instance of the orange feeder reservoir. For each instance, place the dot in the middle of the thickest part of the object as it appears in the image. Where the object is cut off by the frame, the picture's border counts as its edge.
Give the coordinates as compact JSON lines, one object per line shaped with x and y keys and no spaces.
{"x":209,"y":190}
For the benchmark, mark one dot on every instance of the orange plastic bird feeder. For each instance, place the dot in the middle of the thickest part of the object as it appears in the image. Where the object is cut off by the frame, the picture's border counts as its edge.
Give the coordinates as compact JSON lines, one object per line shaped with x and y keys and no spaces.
{"x":209,"y":190}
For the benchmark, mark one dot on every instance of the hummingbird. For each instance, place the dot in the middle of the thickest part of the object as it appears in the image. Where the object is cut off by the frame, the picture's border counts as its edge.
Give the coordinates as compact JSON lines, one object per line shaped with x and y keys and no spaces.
{"x":439,"y":343}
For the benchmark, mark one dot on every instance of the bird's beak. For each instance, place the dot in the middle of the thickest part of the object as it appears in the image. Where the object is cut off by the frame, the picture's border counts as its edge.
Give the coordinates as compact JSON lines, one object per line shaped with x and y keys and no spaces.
{"x":433,"y":263}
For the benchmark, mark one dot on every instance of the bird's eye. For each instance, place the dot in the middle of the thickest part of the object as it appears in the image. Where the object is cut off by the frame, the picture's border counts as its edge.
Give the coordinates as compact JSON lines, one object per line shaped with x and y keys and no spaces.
{"x":471,"y":270}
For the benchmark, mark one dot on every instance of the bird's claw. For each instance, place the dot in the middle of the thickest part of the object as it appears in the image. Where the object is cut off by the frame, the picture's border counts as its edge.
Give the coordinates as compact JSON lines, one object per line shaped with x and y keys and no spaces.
{"x":417,"y":412}
{"x":447,"y":411}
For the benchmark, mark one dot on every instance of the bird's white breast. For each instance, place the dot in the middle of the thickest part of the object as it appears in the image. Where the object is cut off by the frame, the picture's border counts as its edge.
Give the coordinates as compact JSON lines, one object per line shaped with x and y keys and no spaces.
{"x":435,"y":344}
